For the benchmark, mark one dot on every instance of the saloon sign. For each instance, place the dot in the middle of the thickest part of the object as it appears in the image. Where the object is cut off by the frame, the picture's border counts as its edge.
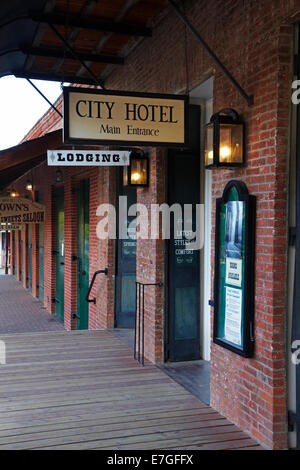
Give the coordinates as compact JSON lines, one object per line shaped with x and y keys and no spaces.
{"x":20,"y":211}
{"x":109,"y":117}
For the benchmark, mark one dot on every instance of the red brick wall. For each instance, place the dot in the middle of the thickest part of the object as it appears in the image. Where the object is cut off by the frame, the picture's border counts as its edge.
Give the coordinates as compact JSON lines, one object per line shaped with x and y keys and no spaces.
{"x":254,"y":40}
{"x":150,"y":262}
{"x":102,"y":189}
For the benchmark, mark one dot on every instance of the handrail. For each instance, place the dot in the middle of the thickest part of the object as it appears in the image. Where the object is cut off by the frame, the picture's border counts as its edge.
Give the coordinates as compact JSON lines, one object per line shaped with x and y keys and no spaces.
{"x":101,"y":271}
{"x":140,"y":302}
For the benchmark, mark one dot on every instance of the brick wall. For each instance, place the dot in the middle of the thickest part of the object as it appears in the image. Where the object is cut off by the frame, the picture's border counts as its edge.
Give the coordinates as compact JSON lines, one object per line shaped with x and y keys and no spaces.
{"x":102,"y":189}
{"x":254,"y":40}
{"x":150,"y":261}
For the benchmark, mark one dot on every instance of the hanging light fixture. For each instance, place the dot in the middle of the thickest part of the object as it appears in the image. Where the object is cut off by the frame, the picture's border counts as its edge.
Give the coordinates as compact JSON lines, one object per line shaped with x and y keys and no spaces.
{"x":137,"y":172}
{"x":58,"y":176}
{"x":224,"y":140}
{"x":29,"y":185}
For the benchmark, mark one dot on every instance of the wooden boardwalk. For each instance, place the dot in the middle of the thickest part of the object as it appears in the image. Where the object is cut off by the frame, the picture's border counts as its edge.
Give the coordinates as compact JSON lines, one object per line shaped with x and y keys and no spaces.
{"x":83,"y":390}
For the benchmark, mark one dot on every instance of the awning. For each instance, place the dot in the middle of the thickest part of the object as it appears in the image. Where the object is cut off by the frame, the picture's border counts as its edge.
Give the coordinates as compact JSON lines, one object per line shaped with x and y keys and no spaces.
{"x":76,"y":41}
{"x":17,"y":160}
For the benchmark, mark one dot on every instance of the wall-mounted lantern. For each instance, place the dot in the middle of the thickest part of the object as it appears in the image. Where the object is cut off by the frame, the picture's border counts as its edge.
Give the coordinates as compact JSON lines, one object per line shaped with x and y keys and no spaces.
{"x":137,"y":172}
{"x":224,"y":140}
{"x":29,"y":185}
{"x":13,"y":193}
{"x":58,"y":176}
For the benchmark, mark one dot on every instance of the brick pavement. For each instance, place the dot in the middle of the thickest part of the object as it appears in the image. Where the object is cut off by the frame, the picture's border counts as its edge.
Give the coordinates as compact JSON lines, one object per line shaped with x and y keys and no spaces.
{"x":22,"y":313}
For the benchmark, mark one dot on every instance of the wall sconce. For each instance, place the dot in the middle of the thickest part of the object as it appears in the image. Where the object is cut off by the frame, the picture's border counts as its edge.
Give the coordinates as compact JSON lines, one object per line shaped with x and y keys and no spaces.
{"x":58,"y":176}
{"x":29,"y":186}
{"x":137,"y":172}
{"x":13,"y":193}
{"x":224,"y":140}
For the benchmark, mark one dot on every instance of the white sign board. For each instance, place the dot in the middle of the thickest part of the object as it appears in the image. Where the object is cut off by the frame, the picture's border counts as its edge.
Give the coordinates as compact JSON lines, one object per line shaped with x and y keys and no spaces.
{"x":233,"y":315}
{"x":88,"y":158}
{"x":234,"y":272}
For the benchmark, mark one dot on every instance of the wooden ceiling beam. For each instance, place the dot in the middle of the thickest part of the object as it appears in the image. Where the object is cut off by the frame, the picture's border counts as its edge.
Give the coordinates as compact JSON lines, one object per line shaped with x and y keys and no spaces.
{"x":74,"y":21}
{"x":55,"y":77}
{"x":59,"y":53}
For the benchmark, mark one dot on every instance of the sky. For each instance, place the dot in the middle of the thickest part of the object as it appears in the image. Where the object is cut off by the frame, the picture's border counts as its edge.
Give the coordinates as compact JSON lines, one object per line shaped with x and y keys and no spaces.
{"x":21,"y":106}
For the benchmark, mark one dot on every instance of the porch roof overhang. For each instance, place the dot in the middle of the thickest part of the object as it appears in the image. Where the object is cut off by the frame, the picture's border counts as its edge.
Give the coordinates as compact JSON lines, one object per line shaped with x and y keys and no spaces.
{"x":77,"y":41}
{"x":17,"y":160}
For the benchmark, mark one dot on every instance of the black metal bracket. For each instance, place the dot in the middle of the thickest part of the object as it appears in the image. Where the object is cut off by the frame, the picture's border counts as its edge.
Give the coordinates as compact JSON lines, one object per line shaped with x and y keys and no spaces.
{"x":182,"y":16}
{"x":74,"y":315}
{"x":75,"y":55}
{"x":139,"y":326}
{"x":101,"y":271}
{"x":43,"y":96}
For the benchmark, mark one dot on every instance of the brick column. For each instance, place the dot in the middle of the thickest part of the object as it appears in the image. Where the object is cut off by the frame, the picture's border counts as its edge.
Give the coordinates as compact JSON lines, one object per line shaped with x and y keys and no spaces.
{"x":12,"y":252}
{"x":18,"y":265}
{"x":102,"y":252}
{"x":35,"y":260}
{"x":150,"y":262}
{"x":70,"y":301}
{"x":49,"y":244}
{"x":25,"y":257}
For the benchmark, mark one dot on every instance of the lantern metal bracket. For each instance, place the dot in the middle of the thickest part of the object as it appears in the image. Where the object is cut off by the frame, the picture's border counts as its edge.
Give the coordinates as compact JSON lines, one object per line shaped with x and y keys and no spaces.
{"x":182,"y":16}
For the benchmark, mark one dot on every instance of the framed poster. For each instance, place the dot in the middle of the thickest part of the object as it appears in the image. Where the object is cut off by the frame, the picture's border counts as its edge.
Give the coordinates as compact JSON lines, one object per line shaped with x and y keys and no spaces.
{"x":234,"y":269}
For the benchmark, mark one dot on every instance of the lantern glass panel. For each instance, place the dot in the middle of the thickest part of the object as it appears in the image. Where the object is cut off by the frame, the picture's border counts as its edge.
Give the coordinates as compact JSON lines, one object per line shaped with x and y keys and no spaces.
{"x":125,"y":175}
{"x":209,"y":150}
{"x":231,"y":143}
{"x":138,"y":174}
{"x":237,"y":144}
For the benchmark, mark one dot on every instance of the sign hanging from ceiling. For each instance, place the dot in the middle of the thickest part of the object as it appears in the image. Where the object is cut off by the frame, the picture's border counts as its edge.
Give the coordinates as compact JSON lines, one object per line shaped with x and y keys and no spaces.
{"x":110,"y":117}
{"x":20,"y":210}
{"x":88,"y":158}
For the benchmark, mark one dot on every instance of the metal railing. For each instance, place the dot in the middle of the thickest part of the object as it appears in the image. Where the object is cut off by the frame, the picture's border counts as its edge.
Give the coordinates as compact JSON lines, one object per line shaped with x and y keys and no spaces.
{"x":139,"y":326}
{"x":101,"y":271}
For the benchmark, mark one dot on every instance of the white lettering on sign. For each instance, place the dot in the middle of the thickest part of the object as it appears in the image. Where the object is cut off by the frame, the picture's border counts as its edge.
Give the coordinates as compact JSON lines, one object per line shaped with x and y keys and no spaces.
{"x":88,"y":158}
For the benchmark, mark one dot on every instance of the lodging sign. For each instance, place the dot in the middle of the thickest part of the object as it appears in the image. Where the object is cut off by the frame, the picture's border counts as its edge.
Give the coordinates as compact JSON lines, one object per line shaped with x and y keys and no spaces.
{"x":20,"y":210}
{"x":88,"y":158}
{"x":109,"y":117}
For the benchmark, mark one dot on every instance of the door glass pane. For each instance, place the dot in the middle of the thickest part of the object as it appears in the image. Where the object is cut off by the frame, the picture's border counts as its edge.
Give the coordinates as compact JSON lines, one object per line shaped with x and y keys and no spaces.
{"x":128,"y":296}
{"x":185,"y":313}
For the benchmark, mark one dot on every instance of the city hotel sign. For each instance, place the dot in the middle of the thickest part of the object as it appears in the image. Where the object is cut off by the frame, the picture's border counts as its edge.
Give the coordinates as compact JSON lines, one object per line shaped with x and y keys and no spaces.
{"x":110,"y":117}
{"x":20,"y":210}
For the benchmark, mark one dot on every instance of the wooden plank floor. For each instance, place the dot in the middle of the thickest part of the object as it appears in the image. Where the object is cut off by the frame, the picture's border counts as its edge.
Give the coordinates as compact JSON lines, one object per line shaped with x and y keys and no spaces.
{"x":83,"y":390}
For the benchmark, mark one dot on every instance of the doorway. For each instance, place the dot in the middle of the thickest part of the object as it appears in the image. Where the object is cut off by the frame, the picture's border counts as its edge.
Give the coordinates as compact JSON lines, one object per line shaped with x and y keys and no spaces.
{"x":83,"y":233}
{"x":59,"y":251}
{"x":126,"y":268}
{"x":184,"y":264}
